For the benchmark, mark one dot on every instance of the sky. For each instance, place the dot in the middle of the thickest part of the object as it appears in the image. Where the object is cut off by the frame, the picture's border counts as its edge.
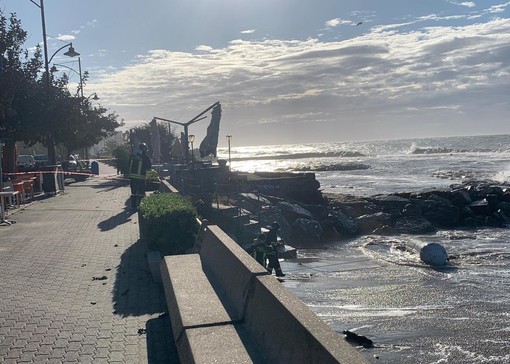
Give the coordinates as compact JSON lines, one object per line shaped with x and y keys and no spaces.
{"x":290,"y":71}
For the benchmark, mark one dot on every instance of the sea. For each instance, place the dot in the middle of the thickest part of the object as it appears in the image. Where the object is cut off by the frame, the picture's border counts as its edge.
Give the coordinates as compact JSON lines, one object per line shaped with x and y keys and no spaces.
{"x":413,"y":312}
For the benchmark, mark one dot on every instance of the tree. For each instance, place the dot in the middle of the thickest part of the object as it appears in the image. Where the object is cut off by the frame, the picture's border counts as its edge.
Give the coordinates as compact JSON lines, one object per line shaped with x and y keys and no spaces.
{"x":143,"y":134}
{"x":20,"y":87}
{"x":30,"y":111}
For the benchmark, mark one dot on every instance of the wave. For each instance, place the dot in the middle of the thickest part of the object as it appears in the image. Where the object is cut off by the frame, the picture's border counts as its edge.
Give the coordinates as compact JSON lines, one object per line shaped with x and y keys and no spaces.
{"x":346,"y":154}
{"x":331,"y":167}
{"x":414,"y":149}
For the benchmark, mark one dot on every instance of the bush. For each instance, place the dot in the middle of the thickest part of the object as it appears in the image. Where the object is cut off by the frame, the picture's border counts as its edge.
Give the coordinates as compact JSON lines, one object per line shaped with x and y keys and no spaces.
{"x":168,"y":223}
{"x":122,"y":153}
{"x":152,"y":176}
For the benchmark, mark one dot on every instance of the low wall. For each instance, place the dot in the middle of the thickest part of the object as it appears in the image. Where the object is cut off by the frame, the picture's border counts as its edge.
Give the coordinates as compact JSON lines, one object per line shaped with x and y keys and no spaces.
{"x":283,"y":327}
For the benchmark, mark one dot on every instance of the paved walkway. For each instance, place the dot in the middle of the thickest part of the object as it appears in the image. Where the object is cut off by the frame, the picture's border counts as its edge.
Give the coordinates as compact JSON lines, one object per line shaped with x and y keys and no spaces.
{"x":75,"y":285}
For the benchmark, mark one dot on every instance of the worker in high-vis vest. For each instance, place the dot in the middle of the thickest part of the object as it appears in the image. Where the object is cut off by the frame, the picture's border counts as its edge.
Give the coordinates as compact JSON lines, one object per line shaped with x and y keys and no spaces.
{"x":139,"y":164}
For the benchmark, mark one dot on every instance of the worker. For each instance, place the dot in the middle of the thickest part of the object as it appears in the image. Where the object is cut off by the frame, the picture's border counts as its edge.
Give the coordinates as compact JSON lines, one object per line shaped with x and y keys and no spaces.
{"x":139,"y":164}
{"x":258,"y":250}
{"x":272,"y":250}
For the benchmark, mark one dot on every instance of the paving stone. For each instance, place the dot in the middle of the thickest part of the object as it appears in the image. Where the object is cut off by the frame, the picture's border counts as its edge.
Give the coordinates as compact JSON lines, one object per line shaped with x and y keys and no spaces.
{"x":51,"y":311}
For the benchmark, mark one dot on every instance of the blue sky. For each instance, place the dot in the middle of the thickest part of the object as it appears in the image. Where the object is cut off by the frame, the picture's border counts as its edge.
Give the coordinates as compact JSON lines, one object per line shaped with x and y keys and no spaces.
{"x":291,"y":71}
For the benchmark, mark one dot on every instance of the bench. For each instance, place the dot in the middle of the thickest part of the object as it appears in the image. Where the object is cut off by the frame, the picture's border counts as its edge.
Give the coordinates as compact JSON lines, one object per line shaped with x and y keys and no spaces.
{"x":225,"y":308}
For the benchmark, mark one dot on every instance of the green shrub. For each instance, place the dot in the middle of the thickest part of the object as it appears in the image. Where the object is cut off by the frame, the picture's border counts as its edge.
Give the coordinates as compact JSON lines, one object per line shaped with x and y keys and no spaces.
{"x":168,"y":223}
{"x":122,"y":154}
{"x":152,"y":176}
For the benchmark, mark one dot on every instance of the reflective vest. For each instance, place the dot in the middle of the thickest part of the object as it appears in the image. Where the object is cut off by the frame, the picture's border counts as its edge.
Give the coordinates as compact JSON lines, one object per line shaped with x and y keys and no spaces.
{"x":135,"y":167}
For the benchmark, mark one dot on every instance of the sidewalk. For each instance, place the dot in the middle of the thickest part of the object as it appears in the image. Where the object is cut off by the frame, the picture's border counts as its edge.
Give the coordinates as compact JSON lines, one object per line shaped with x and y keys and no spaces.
{"x":74,"y":282}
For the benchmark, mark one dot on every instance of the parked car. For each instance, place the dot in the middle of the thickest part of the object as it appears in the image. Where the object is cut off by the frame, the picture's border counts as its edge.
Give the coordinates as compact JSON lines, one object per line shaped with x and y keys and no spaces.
{"x":40,"y":160}
{"x":26,"y":161}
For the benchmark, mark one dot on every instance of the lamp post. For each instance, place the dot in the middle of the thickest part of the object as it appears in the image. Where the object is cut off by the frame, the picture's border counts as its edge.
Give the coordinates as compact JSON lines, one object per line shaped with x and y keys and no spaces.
{"x":229,"y":138}
{"x":71,"y":53}
{"x":191,"y":139}
{"x":54,"y":69}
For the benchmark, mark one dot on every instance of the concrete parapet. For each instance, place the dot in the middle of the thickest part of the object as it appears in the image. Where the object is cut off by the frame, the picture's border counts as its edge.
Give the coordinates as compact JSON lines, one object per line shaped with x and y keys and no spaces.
{"x":223,"y":301}
{"x":287,"y":331}
{"x":219,"y":344}
{"x":190,"y":297}
{"x":228,"y":266}
{"x":204,"y":331}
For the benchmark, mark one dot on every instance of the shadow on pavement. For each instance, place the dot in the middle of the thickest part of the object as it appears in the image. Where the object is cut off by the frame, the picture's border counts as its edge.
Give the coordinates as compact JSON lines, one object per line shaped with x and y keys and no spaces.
{"x":160,"y":341}
{"x":135,"y":293}
{"x":114,"y":221}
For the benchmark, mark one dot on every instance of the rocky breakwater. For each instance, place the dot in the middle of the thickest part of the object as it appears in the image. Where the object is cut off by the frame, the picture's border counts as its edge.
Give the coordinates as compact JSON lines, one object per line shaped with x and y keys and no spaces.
{"x":471,"y":205}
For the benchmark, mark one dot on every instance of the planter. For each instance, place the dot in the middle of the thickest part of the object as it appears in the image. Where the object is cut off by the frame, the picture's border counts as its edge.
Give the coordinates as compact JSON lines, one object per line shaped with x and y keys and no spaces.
{"x":152,"y":185}
{"x":154,"y":260}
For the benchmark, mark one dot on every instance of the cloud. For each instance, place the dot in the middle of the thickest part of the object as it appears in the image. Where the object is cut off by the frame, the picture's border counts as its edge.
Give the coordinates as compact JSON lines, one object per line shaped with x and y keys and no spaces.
{"x":248,"y":31}
{"x":468,"y":4}
{"x":66,"y":37}
{"x":336,"y":22}
{"x":443,"y":73}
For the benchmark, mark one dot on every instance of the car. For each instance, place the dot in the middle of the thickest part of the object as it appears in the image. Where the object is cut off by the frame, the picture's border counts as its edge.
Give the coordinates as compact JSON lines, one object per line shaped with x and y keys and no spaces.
{"x":40,"y":160}
{"x":26,"y":161}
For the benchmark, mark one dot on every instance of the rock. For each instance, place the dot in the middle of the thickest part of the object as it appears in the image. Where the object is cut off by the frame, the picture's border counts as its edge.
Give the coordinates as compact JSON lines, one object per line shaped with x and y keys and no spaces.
{"x":293,"y":212}
{"x":446,"y":216}
{"x":480,"y":207}
{"x":460,"y":198}
{"x":368,"y":223}
{"x":343,"y":225}
{"x":307,"y":232}
{"x":390,"y":202}
{"x":413,"y":225}
{"x":385,"y":230}
{"x":411,"y":209}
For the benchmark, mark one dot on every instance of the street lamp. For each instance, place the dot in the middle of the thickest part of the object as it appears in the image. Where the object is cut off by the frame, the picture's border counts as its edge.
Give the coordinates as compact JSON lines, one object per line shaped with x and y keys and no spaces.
{"x":71,"y":53}
{"x":229,"y":137}
{"x":55,"y":69}
{"x":191,"y":139}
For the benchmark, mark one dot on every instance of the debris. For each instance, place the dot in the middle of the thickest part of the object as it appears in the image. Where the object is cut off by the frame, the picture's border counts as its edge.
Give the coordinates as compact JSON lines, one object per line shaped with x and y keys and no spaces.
{"x":84,"y":265}
{"x":359,"y":339}
{"x":93,"y":303}
{"x":102,"y":278}
{"x":116,"y":245}
{"x":142,"y":331}
{"x":108,"y":269}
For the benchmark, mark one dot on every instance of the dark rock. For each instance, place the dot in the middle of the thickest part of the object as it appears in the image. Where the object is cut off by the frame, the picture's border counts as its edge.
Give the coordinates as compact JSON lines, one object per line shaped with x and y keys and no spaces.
{"x":480,"y":207}
{"x":504,"y":207}
{"x":460,"y":198}
{"x":307,"y":232}
{"x":390,"y":202}
{"x":368,"y":223}
{"x":413,"y":225}
{"x":385,"y":230}
{"x":411,"y":209}
{"x":343,"y":224}
{"x":293,"y":212}
{"x":445,"y":216}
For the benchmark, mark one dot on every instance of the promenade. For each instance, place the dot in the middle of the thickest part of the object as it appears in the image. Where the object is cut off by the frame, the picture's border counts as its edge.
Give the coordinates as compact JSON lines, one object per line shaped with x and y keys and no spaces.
{"x":74,"y":281}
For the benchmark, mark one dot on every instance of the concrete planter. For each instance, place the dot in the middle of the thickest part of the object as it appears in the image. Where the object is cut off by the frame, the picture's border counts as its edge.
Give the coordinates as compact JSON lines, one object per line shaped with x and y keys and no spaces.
{"x":154,"y":260}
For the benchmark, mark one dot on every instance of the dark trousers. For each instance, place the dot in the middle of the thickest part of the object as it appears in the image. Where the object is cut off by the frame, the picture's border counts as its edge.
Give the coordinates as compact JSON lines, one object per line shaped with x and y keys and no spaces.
{"x":137,"y":191}
{"x":274,"y":263}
